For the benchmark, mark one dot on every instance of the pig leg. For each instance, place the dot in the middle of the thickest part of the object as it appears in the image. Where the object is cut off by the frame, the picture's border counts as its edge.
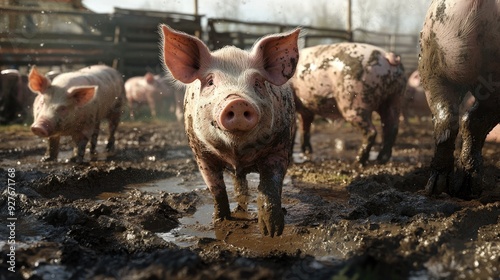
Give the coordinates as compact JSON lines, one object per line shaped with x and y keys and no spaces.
{"x":444,"y":105}
{"x":475,"y":126}
{"x":81,"y":141}
{"x":52,"y":149}
{"x":113,"y":121}
{"x":152,"y":107}
{"x":241,"y":190}
{"x":363,"y":121}
{"x":93,"y":141}
{"x":306,"y":118}
{"x":214,"y":179}
{"x":131,"y":106}
{"x":271,"y":217}
{"x":389,"y":115}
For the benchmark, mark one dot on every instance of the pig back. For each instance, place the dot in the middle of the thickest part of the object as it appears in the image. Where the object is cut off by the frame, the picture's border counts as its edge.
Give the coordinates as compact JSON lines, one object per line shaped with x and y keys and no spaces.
{"x":351,"y":73}
{"x":460,"y":40}
{"x":110,"y":93}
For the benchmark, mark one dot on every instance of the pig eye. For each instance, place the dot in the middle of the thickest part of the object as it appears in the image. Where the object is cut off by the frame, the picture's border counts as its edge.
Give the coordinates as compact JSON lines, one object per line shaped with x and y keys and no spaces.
{"x":259,"y":83}
{"x":62,"y":110}
{"x":209,"y":81}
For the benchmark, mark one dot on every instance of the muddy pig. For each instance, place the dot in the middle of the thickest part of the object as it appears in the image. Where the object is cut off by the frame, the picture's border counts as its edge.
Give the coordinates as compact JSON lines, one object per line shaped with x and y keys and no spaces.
{"x":460,"y":52}
{"x":16,"y":98}
{"x":153,"y":90}
{"x":73,"y":104}
{"x":350,"y":81}
{"x":414,"y":100}
{"x":239,"y":113}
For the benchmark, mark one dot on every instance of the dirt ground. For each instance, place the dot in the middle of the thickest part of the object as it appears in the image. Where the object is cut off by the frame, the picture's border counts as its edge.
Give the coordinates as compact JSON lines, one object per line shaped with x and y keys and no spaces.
{"x":145,"y":213}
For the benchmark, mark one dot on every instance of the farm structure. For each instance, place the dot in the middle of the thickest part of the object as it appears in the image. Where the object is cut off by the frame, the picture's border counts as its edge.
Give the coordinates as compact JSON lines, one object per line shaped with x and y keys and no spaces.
{"x":128,"y":40}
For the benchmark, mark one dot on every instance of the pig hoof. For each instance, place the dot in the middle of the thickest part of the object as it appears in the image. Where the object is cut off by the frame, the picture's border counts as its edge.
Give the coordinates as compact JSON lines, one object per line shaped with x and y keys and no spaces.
{"x":438,"y":182}
{"x":271,"y":219}
{"x":272,"y":224}
{"x":383,"y":158}
{"x":222,"y":215}
{"x":75,"y":159}
{"x":467,"y":186}
{"x":48,"y":159}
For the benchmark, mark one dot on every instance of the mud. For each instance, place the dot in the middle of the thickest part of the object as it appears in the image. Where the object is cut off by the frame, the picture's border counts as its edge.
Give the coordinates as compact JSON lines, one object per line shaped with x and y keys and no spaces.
{"x":145,"y":213}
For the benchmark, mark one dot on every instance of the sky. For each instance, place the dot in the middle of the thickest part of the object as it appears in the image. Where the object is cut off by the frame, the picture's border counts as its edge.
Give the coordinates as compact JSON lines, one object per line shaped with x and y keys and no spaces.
{"x":181,"y":6}
{"x":411,"y":13}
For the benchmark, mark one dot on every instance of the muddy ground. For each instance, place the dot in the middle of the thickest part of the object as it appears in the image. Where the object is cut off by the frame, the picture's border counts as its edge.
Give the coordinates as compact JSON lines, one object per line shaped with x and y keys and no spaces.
{"x":145,"y":213}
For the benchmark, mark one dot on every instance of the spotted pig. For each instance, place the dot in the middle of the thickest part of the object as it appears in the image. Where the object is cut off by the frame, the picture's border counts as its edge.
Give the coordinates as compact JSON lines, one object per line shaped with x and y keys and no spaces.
{"x":153,"y":90}
{"x":239,"y":113}
{"x":73,"y":104}
{"x":460,"y":52}
{"x":350,"y":81}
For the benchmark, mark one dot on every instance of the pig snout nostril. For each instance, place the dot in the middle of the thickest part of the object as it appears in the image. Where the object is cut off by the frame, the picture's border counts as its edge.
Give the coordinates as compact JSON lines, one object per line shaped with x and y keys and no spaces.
{"x":238,"y":115}
{"x":42,"y":129}
{"x":39,"y":131}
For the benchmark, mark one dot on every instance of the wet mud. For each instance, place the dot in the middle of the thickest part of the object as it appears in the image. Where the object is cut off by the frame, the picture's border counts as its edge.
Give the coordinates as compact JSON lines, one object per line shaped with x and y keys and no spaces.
{"x":145,"y":213}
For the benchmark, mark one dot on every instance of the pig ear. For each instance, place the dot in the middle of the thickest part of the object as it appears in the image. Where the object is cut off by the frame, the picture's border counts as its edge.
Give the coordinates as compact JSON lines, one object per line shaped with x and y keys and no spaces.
{"x":150,"y":78}
{"x":184,"y":55}
{"x":278,"y":54}
{"x":82,"y":95}
{"x":37,"y":82}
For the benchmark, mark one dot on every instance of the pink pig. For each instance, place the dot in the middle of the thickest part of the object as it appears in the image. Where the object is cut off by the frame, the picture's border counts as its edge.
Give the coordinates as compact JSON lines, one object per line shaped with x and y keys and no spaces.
{"x":152,"y":90}
{"x":239,"y":114}
{"x":460,"y":52}
{"x":350,"y":81}
{"x":73,"y":104}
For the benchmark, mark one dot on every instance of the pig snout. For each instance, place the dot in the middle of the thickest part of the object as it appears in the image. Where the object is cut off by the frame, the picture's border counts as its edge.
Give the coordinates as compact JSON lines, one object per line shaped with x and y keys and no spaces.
{"x":42,"y":128}
{"x":237,"y":114}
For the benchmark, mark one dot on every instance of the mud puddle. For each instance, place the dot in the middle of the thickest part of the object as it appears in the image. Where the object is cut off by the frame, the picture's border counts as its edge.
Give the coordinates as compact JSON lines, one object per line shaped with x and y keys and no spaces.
{"x":199,"y":225}
{"x":145,"y":213}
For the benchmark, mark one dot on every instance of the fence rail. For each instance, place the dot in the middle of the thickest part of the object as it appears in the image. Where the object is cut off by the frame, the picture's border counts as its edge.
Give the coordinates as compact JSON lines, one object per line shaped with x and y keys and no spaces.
{"x":129,"y":41}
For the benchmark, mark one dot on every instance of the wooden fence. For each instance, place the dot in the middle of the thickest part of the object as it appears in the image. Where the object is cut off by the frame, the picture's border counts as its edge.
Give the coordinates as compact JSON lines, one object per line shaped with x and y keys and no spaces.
{"x":129,"y":39}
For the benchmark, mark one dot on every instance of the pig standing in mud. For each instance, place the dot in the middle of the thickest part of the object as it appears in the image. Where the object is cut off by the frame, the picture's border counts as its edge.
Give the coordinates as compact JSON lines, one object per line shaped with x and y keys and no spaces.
{"x":73,"y":104}
{"x":460,"y":52}
{"x":153,"y":90}
{"x":350,"y":81}
{"x":239,"y":113}
{"x":16,"y":98}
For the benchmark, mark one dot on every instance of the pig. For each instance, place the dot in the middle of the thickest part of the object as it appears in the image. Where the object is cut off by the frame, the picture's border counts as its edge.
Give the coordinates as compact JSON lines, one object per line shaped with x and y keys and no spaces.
{"x":494,"y":135}
{"x":350,"y":81}
{"x":73,"y":104}
{"x":414,"y":100}
{"x":239,"y":116}
{"x":460,"y":52}
{"x":153,"y":90}
{"x":16,"y":98}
